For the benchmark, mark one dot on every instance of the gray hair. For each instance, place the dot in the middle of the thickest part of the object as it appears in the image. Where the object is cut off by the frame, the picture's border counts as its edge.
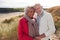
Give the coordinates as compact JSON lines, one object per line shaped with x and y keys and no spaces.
{"x":38,"y":5}
{"x":27,"y":9}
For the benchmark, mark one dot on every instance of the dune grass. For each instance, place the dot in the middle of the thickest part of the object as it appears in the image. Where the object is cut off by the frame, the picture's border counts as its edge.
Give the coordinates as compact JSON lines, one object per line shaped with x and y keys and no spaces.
{"x":8,"y":28}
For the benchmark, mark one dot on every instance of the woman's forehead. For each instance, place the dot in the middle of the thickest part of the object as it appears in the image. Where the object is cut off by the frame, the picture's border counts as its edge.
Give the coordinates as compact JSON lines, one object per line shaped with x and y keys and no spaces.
{"x":32,"y":10}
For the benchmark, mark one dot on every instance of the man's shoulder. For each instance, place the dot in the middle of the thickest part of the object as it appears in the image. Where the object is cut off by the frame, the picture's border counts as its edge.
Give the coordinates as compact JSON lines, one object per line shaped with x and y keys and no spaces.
{"x":47,"y":13}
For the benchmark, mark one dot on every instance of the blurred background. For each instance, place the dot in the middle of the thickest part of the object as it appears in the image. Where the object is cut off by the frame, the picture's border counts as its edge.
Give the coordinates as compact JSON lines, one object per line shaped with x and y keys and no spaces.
{"x":12,"y":10}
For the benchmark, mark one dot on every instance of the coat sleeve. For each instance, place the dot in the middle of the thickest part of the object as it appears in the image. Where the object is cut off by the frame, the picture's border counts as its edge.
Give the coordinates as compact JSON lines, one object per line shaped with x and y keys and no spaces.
{"x":21,"y":35}
{"x":50,"y":25}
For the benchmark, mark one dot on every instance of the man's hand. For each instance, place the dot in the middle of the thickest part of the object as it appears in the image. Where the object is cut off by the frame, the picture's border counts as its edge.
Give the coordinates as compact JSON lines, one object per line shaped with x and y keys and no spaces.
{"x":38,"y":38}
{"x":43,"y":35}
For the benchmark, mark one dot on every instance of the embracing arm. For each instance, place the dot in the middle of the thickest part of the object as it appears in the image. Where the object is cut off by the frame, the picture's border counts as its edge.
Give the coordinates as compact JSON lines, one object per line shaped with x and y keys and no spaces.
{"x":51,"y":25}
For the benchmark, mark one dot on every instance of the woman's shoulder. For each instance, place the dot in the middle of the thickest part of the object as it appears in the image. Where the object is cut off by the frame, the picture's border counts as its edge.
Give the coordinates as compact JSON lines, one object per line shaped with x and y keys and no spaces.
{"x":23,"y":19}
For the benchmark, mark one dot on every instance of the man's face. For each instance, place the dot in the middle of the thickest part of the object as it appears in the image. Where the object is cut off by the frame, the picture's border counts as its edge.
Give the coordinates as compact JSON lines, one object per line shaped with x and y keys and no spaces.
{"x":38,"y":9}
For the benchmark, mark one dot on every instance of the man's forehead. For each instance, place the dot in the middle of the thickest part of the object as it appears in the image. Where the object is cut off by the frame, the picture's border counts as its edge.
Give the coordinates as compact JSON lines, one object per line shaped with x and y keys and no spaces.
{"x":37,"y":6}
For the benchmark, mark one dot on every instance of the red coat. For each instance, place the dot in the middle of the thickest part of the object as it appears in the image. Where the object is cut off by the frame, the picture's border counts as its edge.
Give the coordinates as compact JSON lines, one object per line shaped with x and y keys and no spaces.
{"x":23,"y":32}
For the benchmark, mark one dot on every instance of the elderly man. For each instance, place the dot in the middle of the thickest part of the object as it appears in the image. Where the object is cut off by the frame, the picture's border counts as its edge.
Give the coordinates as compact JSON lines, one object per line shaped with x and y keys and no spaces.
{"x":45,"y":22}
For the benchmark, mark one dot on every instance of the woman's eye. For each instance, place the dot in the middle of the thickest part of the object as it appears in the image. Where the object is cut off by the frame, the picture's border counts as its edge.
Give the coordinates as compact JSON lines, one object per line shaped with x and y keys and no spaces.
{"x":30,"y":11}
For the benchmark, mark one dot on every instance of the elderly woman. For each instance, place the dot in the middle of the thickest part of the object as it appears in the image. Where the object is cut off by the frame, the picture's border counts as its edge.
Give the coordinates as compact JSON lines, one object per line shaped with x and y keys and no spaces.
{"x":27,"y":29}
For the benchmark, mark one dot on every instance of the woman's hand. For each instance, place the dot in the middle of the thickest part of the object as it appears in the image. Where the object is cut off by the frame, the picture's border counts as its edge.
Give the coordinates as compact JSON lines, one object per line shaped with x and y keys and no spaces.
{"x":42,"y":35}
{"x":38,"y":38}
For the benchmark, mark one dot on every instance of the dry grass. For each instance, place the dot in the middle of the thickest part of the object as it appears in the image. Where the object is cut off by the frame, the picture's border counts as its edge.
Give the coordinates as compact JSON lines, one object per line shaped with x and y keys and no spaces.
{"x":8,"y":27}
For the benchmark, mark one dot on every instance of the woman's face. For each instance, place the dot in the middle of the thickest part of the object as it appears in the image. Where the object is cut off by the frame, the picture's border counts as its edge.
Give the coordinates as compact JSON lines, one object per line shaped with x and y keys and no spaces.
{"x":31,"y":12}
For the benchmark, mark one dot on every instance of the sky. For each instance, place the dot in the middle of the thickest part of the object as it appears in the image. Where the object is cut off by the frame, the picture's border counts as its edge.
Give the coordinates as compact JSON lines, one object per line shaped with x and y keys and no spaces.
{"x":25,"y":3}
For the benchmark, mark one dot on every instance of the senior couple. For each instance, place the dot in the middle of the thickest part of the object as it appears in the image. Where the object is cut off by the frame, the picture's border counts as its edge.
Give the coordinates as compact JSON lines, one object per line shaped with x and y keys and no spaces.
{"x":36,"y":24}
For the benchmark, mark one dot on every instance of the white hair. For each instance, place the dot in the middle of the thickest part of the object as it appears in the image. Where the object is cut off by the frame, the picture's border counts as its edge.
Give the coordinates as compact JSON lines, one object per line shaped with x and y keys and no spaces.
{"x":38,"y":5}
{"x":27,"y":9}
